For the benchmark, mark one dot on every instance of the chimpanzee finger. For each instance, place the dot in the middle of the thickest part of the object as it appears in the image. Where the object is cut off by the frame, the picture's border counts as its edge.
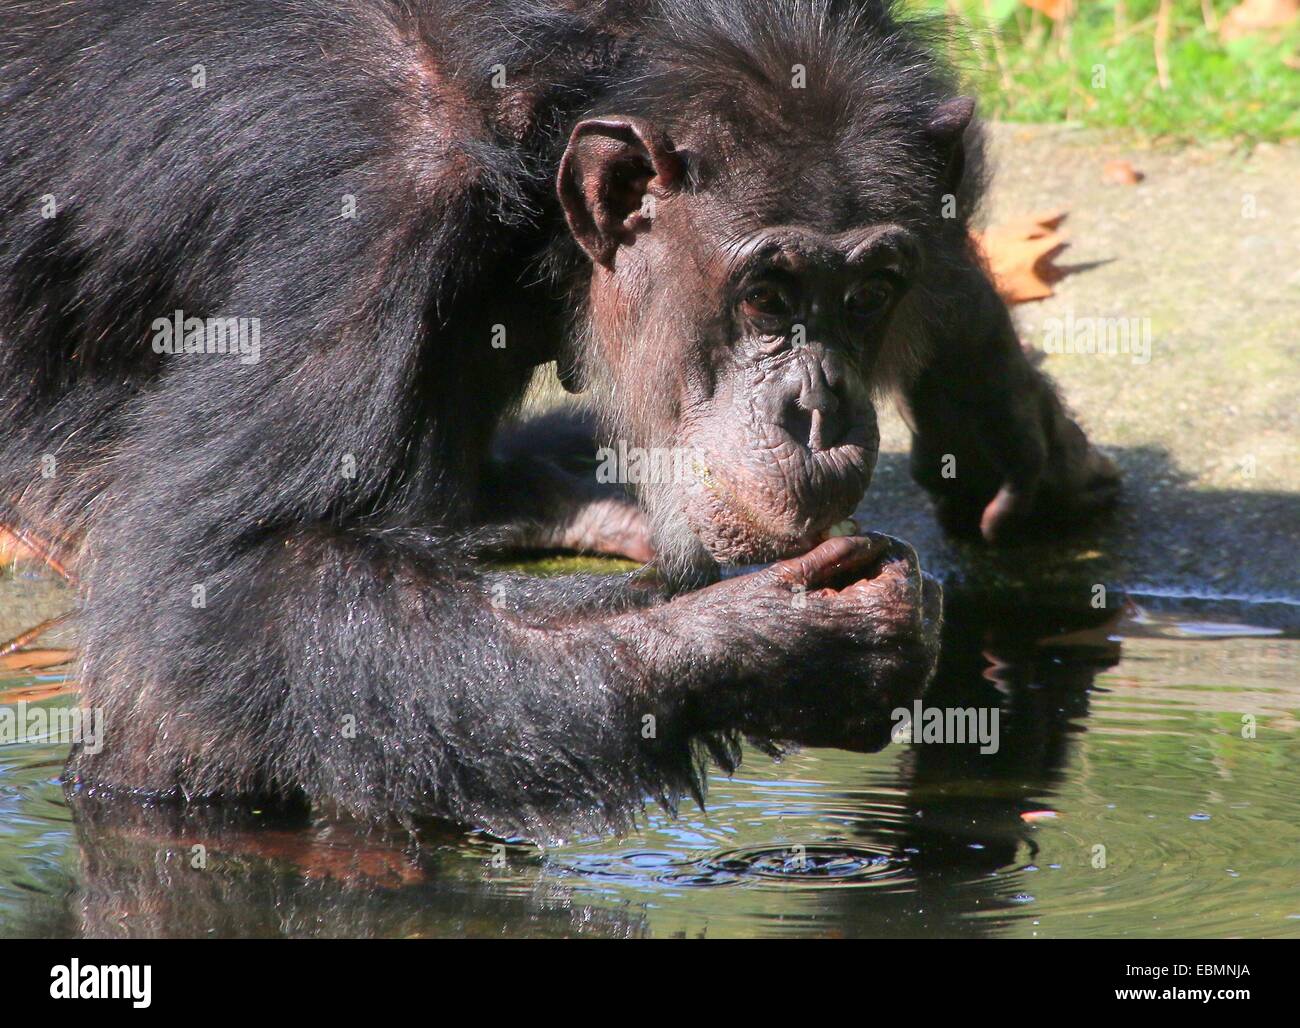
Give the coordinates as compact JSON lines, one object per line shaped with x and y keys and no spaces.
{"x":1003,"y":508}
{"x":896,"y":559}
{"x":838,"y":560}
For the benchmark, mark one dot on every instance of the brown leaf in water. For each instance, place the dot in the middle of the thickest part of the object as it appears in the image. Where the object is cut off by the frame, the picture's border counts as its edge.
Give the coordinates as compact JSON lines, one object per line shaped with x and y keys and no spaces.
{"x":1257,"y":16}
{"x":13,"y":550}
{"x":1019,"y":255}
{"x":34,"y":660}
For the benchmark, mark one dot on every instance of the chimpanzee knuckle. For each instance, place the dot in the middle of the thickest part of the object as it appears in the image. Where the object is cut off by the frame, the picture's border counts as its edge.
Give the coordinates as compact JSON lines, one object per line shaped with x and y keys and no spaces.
{"x":896,"y":570}
{"x":788,"y":574}
{"x":800,"y":572}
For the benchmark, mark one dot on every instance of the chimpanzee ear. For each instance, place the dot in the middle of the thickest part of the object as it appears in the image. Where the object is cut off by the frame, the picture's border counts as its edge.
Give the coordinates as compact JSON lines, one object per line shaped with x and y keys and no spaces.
{"x":945,"y":128}
{"x":608,"y":168}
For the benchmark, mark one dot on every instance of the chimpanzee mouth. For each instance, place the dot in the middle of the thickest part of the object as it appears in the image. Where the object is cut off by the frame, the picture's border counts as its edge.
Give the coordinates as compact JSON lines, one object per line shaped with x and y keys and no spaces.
{"x":736,"y":530}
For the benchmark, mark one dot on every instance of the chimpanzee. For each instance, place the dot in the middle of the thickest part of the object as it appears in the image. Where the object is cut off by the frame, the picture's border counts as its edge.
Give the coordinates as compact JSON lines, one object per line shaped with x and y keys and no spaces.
{"x":275,"y":274}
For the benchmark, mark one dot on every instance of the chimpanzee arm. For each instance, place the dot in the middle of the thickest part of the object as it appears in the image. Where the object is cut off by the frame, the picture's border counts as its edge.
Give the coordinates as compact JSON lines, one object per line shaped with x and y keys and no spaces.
{"x":991,"y":440}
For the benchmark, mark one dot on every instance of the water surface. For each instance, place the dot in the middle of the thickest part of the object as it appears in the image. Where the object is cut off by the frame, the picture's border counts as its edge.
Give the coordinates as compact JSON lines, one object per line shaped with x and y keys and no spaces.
{"x":1147,"y":783}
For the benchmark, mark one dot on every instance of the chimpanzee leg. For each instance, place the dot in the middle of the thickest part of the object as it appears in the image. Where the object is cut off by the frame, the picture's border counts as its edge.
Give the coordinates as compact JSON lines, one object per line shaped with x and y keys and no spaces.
{"x":991,"y":440}
{"x":541,"y":492}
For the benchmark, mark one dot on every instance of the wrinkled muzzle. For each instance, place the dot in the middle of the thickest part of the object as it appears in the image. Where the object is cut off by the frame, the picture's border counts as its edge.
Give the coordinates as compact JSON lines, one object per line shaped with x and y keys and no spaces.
{"x":770,"y":483}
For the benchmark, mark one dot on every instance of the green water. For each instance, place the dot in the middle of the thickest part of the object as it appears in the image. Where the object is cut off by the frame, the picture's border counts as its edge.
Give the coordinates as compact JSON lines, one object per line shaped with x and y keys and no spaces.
{"x":1128,"y":797}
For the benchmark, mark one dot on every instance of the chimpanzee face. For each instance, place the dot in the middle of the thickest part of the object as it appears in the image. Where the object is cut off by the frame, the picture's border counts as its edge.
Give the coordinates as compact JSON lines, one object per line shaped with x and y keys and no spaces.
{"x":734,"y":339}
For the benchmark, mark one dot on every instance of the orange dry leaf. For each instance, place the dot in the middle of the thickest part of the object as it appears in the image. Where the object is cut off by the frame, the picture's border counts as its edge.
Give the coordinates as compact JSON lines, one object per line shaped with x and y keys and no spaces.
{"x":1054,"y":9}
{"x":1019,"y":255}
{"x":1256,"y":16}
{"x":1121,"y":173}
{"x":34,"y":660}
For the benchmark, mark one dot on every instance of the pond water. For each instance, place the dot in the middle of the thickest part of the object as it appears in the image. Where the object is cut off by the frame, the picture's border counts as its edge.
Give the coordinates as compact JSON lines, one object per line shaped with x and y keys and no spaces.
{"x":1146,"y":783}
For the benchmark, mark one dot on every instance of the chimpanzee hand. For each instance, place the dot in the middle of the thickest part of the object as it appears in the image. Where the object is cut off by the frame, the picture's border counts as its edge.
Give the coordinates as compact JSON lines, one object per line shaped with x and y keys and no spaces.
{"x":1007,"y":470}
{"x":991,"y":441}
{"x":851,"y":608}
{"x":1074,"y":481}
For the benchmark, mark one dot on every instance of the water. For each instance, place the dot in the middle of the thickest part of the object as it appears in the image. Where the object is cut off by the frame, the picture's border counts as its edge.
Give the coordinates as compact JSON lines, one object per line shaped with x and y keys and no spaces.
{"x":1128,"y":797}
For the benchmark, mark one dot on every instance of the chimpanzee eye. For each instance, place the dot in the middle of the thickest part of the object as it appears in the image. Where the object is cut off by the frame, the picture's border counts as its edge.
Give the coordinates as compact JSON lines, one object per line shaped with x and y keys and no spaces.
{"x":869,"y":297}
{"x":765,"y":301}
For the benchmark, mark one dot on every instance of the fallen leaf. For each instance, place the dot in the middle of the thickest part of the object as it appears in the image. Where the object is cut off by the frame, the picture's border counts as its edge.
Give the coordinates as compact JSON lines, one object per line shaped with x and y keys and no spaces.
{"x":1121,"y":173}
{"x":1256,"y":16}
{"x":1054,"y":9}
{"x":32,"y":660}
{"x":1019,"y":255}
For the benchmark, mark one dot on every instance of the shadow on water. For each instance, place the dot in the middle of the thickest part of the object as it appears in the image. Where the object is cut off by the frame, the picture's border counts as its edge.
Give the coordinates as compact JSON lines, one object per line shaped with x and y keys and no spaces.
{"x":969,"y":813}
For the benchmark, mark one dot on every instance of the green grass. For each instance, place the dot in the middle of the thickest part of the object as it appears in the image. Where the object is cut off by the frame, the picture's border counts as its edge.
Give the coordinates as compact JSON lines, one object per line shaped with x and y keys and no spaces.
{"x":1025,"y":67}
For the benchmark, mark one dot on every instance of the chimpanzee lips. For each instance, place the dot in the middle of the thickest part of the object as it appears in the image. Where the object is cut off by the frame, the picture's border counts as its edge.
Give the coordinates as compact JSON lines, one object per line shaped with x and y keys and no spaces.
{"x":778,"y":508}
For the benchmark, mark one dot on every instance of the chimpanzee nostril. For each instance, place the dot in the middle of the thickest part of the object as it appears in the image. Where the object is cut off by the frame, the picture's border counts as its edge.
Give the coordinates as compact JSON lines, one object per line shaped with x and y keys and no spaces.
{"x":812,"y":412}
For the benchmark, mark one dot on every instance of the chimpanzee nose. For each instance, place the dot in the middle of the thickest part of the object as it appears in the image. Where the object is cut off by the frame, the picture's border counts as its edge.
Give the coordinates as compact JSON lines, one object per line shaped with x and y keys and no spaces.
{"x":812,"y":412}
